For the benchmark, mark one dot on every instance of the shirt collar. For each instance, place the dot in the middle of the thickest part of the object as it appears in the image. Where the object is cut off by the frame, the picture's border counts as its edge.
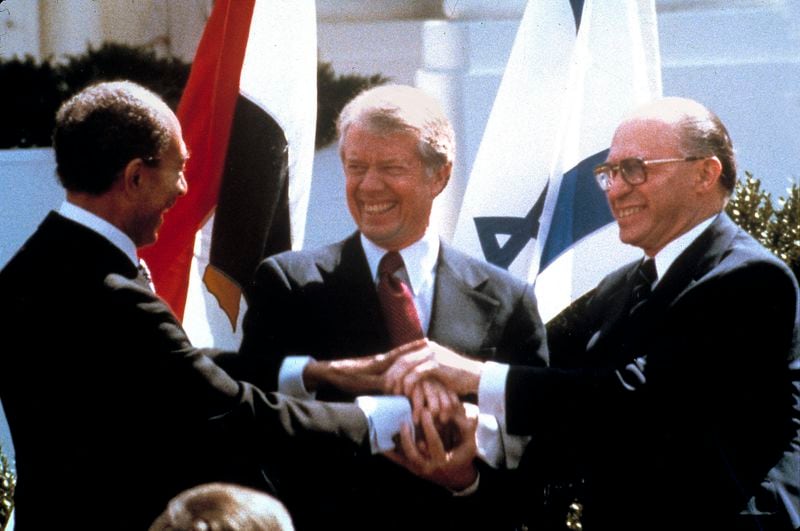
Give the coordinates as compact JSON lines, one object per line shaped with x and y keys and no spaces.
{"x":420,"y":258}
{"x":101,"y":227}
{"x":667,"y":256}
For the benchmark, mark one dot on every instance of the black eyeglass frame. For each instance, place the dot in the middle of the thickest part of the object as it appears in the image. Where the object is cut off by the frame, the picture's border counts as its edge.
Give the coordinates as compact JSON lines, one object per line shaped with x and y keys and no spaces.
{"x":605,"y":173}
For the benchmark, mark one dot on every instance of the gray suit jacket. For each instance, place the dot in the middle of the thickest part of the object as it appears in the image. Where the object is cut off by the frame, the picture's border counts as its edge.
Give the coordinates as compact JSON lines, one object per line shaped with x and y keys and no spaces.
{"x":324,"y":303}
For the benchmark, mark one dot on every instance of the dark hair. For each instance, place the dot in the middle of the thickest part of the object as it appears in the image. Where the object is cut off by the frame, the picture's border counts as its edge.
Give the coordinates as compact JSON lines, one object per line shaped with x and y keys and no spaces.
{"x":102,"y":128}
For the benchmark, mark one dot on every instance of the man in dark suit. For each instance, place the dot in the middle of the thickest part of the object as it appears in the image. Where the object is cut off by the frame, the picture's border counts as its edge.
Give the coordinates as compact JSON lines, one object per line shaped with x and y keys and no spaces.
{"x":397,"y":149}
{"x":672,"y":401}
{"x":112,"y":410}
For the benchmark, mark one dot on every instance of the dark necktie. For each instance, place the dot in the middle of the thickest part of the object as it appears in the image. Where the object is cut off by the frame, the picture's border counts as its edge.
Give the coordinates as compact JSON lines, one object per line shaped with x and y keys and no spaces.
{"x":643,"y":280}
{"x":397,"y":302}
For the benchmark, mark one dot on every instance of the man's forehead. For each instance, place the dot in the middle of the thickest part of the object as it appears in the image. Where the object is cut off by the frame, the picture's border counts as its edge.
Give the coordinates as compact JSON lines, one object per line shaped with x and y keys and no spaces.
{"x":637,"y":137}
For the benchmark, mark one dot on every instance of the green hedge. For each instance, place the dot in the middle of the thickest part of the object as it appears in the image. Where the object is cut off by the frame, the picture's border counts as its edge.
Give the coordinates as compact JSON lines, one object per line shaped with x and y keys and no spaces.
{"x":775,"y":224}
{"x":7,"y":483}
{"x":36,"y":89}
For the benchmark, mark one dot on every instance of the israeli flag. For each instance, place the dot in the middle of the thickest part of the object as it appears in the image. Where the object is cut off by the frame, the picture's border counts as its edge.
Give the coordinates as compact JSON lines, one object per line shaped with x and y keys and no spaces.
{"x":532,"y":205}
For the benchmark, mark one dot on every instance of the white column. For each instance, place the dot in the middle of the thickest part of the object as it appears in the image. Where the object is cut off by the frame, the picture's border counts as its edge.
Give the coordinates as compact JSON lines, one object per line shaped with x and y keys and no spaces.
{"x":463,"y":59}
{"x":69,"y":27}
{"x":19,"y":29}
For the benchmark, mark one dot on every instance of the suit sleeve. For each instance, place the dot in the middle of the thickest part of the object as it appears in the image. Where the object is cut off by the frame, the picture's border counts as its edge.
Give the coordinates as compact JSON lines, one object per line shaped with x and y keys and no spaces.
{"x":270,"y":320}
{"x":209,"y":392}
{"x":523,"y":341}
{"x":717,"y":403}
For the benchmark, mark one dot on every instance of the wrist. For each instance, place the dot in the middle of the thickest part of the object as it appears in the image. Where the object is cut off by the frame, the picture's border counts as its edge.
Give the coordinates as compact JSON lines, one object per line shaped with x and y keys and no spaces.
{"x":315,"y":374}
{"x":463,"y":481}
{"x":472,"y":377}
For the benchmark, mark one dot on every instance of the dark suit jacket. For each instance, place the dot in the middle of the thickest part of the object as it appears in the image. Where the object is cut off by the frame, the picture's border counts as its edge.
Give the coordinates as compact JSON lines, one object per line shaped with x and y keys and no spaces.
{"x":324,"y":303}
{"x":708,"y":428}
{"x":109,"y":405}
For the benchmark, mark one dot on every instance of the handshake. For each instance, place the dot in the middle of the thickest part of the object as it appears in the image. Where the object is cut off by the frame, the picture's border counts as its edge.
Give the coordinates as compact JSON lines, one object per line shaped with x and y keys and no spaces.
{"x":441,"y":448}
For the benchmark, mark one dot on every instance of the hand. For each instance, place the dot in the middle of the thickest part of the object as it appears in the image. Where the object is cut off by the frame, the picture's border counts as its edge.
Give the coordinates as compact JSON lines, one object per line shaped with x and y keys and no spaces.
{"x":433,"y":396}
{"x":430,"y":459}
{"x":351,"y":375}
{"x":432,"y":361}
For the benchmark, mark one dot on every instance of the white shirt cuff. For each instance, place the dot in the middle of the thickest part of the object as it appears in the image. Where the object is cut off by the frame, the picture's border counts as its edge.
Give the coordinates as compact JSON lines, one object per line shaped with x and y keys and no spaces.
{"x":385,"y":415}
{"x":489,"y":441}
{"x":495,"y":446}
{"x":290,"y":377}
{"x":492,"y":390}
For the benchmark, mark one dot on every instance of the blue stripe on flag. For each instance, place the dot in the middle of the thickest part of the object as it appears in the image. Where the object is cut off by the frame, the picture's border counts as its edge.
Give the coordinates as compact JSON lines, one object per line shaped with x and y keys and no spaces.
{"x":577,"y":11}
{"x":581,"y":208}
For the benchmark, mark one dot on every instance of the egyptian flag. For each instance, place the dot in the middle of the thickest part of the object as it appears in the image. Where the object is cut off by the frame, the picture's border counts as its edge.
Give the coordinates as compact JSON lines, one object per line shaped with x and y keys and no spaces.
{"x":248,"y":115}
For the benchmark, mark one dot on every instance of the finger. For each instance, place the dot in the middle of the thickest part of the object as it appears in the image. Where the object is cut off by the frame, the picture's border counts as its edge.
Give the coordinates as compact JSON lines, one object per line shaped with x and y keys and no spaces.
{"x":448,"y":401}
{"x":417,"y":403}
{"x":467,"y":426}
{"x":414,"y":458}
{"x":430,"y":391}
{"x":432,"y":439}
{"x":425,"y":369}
{"x":406,"y":348}
{"x":401,"y":367}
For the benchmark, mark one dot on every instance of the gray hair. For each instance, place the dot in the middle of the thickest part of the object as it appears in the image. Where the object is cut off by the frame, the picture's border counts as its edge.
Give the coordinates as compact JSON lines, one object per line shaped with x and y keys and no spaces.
{"x":388,"y":109}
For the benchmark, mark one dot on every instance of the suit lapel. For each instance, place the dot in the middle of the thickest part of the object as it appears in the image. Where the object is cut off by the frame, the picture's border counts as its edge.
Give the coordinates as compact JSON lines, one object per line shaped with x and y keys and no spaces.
{"x":461,"y":313}
{"x":613,"y":297}
{"x":696,"y":261}
{"x":358,"y":311}
{"x":687,"y":270}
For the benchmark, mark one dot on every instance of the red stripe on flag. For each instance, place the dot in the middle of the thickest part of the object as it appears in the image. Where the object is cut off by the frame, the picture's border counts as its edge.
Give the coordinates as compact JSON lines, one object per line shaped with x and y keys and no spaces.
{"x":206,"y":113}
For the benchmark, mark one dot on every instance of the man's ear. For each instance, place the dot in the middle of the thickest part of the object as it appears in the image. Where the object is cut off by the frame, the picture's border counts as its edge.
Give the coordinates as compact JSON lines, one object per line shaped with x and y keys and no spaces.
{"x":441,"y":177}
{"x":709,"y":174}
{"x":132,"y":176}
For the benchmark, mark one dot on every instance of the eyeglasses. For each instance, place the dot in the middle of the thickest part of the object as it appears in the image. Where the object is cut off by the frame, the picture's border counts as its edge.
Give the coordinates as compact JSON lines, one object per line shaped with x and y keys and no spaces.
{"x":633,"y":170}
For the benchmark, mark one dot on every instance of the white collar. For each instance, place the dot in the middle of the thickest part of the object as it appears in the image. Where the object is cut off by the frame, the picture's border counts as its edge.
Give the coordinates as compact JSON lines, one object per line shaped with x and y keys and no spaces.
{"x":667,"y":256}
{"x":420,"y":258}
{"x":102,"y":227}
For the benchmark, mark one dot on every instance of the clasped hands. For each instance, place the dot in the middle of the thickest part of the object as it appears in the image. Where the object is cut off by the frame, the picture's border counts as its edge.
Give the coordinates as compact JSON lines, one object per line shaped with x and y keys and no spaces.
{"x":434,"y":379}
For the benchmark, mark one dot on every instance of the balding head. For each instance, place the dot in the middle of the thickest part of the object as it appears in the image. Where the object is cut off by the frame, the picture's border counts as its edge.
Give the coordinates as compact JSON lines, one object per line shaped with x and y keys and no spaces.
{"x":699,"y":131}
{"x":670,"y":167}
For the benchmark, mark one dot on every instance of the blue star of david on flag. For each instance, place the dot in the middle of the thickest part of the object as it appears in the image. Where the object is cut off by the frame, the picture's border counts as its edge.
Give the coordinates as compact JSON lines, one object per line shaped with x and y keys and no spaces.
{"x":581,"y":208}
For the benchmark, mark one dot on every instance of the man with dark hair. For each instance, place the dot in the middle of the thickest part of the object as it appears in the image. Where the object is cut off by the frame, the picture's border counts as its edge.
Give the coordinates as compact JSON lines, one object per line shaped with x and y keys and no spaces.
{"x":108,"y":402}
{"x":673,"y":397}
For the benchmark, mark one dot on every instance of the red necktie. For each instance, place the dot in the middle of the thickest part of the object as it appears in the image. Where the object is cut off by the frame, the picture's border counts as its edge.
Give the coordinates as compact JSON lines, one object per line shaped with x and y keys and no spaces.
{"x":397,"y":302}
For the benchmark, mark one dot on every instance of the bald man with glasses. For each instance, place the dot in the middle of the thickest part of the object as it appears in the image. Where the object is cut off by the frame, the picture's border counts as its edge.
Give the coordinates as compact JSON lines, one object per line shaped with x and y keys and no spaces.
{"x":673,"y":397}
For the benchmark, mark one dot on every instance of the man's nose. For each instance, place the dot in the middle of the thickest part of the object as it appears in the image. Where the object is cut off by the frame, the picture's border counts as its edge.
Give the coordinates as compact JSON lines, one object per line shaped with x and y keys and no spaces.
{"x":617,"y":186}
{"x":372,"y":179}
{"x":183,"y":186}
